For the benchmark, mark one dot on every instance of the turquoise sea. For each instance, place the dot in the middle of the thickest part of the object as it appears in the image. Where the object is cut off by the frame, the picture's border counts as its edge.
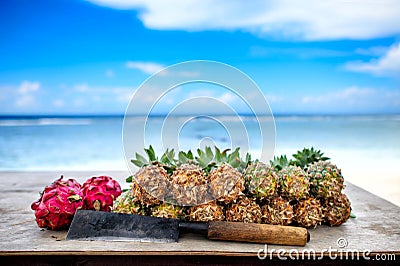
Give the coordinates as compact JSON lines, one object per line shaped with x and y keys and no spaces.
{"x":95,"y":143}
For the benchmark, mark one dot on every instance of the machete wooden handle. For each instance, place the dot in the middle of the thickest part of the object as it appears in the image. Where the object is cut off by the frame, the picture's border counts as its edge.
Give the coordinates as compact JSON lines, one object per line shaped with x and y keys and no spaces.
{"x":258,"y":233}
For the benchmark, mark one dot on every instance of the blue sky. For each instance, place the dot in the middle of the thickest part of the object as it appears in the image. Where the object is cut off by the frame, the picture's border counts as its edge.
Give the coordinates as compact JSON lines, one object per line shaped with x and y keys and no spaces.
{"x":308,"y":57}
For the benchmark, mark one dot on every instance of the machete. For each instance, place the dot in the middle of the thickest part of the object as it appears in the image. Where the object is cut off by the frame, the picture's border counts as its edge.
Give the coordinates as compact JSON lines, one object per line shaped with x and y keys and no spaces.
{"x":97,"y":225}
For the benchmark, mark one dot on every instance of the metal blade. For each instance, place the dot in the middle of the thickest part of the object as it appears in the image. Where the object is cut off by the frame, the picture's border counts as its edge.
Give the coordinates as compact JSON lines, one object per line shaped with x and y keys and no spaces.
{"x":96,"y":225}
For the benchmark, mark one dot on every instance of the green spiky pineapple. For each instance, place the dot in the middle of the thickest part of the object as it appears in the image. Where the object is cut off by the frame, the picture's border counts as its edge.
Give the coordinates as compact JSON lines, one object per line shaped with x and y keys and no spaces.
{"x":166,"y":210}
{"x":293,"y":183}
{"x":261,"y":181}
{"x":127,"y":203}
{"x":326,"y":180}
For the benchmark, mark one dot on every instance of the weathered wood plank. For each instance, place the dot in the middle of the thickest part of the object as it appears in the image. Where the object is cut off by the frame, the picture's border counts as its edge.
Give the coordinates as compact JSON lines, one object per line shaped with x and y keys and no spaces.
{"x":375,"y":228}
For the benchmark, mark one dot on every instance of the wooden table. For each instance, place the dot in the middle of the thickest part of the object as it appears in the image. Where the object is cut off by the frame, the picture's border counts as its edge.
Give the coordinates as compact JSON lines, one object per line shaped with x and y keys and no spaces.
{"x":375,"y":232}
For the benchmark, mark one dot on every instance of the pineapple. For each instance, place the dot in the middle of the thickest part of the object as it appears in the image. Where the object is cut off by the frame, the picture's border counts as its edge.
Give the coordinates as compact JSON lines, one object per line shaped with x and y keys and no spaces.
{"x":277,"y":211}
{"x":189,"y":185}
{"x":226,"y":183}
{"x":213,"y":184}
{"x":166,"y":210}
{"x":152,"y":176}
{"x":337,"y":210}
{"x":326,"y":180}
{"x":293,"y":182}
{"x":308,"y":212}
{"x":188,"y":174}
{"x":142,"y":196}
{"x":261,"y":181}
{"x":244,"y":210}
{"x":152,"y":184}
{"x":127,"y":203}
{"x":206,"y":212}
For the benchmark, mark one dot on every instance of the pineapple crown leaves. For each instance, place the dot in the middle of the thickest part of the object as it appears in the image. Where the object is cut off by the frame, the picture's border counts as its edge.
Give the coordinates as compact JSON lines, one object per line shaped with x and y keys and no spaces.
{"x":167,"y":160}
{"x":129,"y":179}
{"x":221,"y":156}
{"x":151,"y":154}
{"x":141,"y":161}
{"x":206,"y":159}
{"x":185,"y":157}
{"x":308,"y":156}
{"x":234,"y":158}
{"x":168,"y":157}
{"x":280,"y":162}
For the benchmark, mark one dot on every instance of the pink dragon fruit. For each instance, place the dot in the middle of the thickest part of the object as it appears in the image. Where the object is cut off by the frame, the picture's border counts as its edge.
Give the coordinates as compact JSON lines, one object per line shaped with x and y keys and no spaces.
{"x":100,"y":192}
{"x":57,"y":205}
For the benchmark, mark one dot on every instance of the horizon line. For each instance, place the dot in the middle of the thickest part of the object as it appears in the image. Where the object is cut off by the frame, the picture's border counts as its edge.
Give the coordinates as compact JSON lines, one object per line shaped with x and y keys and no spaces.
{"x":32,"y":116}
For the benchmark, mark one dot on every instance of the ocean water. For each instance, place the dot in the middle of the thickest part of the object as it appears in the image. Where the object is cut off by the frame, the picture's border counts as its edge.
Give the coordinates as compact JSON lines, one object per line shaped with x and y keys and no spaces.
{"x":95,"y":143}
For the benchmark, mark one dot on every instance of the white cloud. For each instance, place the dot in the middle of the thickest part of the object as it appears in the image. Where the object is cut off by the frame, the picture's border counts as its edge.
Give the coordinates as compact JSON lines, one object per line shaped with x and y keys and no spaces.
{"x":25,"y":101}
{"x":79,"y":102}
{"x":349,"y":95}
{"x":272,"y":98}
{"x":28,"y":87}
{"x":58,"y":103}
{"x":215,"y":100}
{"x":97,"y":94}
{"x":228,"y":98}
{"x":146,"y":67}
{"x":386,"y":65}
{"x":300,"y":52}
{"x":372,"y":51}
{"x":123,"y":94}
{"x":353,"y":99}
{"x":306,"y":20}
{"x":109,"y":73}
{"x":81,"y":87}
{"x":26,"y":93}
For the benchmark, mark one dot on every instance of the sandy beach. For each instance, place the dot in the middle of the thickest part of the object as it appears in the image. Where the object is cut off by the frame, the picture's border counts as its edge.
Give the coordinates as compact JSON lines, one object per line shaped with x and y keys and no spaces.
{"x":377,"y":176}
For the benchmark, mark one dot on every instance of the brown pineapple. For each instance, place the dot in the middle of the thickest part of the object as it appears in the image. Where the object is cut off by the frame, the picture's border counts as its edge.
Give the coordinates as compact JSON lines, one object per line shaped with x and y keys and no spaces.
{"x":226,"y":183}
{"x":308,"y":212}
{"x":244,"y":210}
{"x":189,"y":185}
{"x":277,"y":211}
{"x":337,"y":210}
{"x":206,"y":212}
